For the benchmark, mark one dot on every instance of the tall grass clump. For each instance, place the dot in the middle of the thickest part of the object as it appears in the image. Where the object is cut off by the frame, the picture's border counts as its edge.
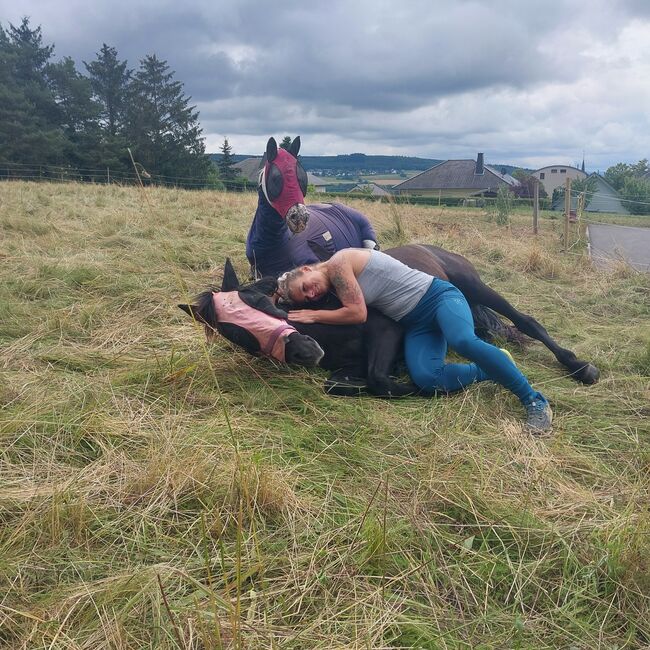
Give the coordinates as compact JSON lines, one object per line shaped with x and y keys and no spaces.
{"x":156,"y":492}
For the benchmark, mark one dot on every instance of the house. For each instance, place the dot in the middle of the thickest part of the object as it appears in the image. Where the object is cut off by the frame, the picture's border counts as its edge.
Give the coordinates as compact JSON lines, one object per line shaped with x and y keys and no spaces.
{"x":249,"y":168}
{"x":604,"y":198}
{"x":457,"y":178}
{"x":554,"y":176}
{"x":372,"y":189}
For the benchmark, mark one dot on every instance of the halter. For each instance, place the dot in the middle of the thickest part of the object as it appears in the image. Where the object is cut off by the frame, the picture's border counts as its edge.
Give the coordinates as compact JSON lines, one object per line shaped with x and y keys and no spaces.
{"x":268,"y":330}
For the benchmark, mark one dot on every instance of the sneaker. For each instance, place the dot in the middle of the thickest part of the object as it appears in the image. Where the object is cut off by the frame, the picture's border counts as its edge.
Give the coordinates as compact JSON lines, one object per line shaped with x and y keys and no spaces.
{"x":539,"y":417}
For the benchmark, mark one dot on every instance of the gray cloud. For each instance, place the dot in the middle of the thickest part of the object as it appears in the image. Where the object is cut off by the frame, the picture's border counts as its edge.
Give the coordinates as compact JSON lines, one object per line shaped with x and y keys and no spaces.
{"x":522,"y":81}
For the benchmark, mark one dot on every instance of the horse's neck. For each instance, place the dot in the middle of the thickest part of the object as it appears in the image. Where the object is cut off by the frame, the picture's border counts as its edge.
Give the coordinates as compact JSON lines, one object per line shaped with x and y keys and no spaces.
{"x":268,"y":227}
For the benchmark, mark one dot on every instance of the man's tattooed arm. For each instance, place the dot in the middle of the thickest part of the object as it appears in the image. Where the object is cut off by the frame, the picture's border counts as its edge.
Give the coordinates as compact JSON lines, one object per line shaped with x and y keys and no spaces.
{"x":344,"y":283}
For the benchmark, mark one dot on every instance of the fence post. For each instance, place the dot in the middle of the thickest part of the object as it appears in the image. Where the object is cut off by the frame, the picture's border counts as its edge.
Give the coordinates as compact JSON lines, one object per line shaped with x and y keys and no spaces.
{"x":567,"y":212}
{"x":580,"y":208}
{"x":536,"y":207}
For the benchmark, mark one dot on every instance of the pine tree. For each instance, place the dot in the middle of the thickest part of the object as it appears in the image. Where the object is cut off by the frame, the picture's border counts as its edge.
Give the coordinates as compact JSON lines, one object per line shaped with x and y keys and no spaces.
{"x":110,"y":78}
{"x":227,"y":173}
{"x":162,"y":128}
{"x":78,"y":113}
{"x":29,"y":115}
{"x":286,"y":142}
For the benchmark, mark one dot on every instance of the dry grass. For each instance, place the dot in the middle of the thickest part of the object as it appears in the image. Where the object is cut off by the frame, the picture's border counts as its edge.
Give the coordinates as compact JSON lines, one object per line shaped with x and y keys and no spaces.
{"x":156,"y":493}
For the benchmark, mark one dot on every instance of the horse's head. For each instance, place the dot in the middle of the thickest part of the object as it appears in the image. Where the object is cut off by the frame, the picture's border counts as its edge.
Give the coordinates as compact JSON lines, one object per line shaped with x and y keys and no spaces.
{"x":247,"y":317}
{"x":284,"y":183}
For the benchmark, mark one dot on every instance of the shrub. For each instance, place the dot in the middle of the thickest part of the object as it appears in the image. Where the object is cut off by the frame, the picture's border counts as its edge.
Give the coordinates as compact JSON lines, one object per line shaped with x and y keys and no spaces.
{"x":503,"y":206}
{"x":637,"y":193}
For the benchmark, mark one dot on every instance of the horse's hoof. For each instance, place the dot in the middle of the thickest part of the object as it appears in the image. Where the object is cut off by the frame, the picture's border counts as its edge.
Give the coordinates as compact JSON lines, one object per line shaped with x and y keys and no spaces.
{"x":345,"y":387}
{"x":587,"y":374}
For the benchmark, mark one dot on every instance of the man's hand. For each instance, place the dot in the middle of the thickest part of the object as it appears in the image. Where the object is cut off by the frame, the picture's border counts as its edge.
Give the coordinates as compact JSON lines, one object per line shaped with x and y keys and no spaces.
{"x":304,"y":315}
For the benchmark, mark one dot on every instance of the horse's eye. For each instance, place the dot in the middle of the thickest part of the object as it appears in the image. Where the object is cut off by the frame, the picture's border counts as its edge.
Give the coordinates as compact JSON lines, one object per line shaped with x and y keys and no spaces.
{"x":302,"y":178}
{"x":274,"y":182}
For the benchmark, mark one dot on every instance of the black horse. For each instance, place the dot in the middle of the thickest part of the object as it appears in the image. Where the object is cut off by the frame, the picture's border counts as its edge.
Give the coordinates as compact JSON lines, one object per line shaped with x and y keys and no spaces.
{"x":370,"y":351}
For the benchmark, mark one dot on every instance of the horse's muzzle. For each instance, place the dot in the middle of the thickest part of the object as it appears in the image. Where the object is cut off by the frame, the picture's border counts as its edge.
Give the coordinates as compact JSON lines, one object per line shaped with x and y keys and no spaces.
{"x":297,"y":218}
{"x":302,"y":350}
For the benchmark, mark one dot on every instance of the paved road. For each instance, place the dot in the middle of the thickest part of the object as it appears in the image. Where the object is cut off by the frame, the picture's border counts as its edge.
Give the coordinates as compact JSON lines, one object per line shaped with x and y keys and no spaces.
{"x":615,"y":243}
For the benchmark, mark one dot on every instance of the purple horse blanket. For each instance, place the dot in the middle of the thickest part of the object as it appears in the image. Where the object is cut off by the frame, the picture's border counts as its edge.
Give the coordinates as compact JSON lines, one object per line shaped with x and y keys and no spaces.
{"x":271,"y":249}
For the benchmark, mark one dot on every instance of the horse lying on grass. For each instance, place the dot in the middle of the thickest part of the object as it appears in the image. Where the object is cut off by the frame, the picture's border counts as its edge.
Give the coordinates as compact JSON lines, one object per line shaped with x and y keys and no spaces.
{"x":247,"y":317}
{"x":361,"y":356}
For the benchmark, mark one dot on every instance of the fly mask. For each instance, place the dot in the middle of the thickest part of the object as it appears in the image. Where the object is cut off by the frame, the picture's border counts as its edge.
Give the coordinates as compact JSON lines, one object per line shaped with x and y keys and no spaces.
{"x":270,"y":332}
{"x":284,"y":183}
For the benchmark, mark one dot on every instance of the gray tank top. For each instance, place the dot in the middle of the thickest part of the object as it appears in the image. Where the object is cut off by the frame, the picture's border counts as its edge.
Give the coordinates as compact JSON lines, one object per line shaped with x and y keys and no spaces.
{"x":390,"y":286}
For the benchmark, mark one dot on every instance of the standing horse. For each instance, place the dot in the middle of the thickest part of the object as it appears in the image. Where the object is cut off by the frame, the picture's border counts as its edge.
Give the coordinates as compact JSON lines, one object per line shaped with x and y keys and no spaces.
{"x":286,"y":233}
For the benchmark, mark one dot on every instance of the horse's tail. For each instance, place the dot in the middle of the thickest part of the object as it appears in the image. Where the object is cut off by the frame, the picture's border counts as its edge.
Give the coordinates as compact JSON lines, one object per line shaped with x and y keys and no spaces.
{"x":489,"y":326}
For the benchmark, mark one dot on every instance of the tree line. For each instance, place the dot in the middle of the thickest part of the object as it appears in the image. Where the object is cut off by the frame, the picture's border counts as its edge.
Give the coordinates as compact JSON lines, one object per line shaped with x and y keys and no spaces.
{"x":51,"y":114}
{"x":86,"y":124}
{"x":633,"y":184}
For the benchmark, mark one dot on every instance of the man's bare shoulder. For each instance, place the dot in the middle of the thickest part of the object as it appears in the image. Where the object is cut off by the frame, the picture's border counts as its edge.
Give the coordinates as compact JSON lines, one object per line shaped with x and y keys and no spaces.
{"x":354,"y":257}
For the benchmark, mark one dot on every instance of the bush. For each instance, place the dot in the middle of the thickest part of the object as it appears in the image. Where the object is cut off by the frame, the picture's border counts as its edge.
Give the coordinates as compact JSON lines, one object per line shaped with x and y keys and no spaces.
{"x":636,"y":191}
{"x":503,"y":206}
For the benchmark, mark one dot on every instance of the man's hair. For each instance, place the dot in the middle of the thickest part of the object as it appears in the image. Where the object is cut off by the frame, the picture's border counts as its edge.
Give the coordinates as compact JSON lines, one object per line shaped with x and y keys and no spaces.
{"x":284,"y":280}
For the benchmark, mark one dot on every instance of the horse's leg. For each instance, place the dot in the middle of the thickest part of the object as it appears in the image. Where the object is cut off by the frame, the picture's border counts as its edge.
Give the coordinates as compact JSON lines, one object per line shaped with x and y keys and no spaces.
{"x":342,"y":384}
{"x":476,"y":291}
{"x":384,"y":339}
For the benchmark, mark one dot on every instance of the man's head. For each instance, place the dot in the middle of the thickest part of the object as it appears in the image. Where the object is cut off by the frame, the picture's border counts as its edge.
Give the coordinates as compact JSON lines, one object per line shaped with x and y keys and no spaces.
{"x":304,"y":284}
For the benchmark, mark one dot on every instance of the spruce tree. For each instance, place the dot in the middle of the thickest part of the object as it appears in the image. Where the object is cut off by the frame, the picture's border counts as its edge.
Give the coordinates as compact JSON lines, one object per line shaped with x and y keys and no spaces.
{"x":286,"y":142}
{"x":109,"y":79}
{"x":30,"y":132}
{"x":227,"y":173}
{"x":78,"y":114}
{"x":162,"y":128}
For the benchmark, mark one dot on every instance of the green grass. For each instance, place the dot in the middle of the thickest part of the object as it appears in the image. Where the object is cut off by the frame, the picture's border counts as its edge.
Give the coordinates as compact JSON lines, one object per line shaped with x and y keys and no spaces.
{"x":158,"y":493}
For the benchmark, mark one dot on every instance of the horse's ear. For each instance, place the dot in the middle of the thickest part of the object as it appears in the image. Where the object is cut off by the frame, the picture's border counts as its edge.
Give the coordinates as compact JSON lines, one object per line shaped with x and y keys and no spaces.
{"x":271,"y":149}
{"x":190,"y":310}
{"x":295,"y":147}
{"x":230,"y":280}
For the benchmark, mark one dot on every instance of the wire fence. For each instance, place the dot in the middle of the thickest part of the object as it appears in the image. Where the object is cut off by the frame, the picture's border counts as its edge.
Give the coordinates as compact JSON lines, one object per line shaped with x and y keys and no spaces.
{"x":589,"y":195}
{"x":107,"y":176}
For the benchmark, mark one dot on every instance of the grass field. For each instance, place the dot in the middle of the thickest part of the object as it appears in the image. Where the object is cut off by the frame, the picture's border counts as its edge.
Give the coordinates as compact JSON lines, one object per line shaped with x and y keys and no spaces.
{"x":157,"y":493}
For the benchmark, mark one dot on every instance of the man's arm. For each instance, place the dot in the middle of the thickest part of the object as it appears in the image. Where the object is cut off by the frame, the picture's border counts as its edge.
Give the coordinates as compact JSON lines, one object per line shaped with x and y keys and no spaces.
{"x":346,"y":287}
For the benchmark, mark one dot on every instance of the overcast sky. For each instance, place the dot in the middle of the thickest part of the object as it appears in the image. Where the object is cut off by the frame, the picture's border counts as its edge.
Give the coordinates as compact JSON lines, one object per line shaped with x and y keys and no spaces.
{"x":528,"y":83}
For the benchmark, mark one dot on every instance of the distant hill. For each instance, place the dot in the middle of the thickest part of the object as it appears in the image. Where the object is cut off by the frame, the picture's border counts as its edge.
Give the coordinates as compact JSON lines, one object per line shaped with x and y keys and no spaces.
{"x":355,"y":164}
{"x":359,"y":163}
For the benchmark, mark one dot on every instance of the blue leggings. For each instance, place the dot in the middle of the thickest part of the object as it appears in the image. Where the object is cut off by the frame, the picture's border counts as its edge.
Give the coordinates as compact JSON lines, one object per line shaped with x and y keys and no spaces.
{"x":441,"y":318}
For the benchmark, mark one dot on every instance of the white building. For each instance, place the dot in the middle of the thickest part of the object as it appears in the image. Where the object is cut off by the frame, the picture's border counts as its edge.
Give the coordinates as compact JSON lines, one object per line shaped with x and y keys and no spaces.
{"x":554,"y":176}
